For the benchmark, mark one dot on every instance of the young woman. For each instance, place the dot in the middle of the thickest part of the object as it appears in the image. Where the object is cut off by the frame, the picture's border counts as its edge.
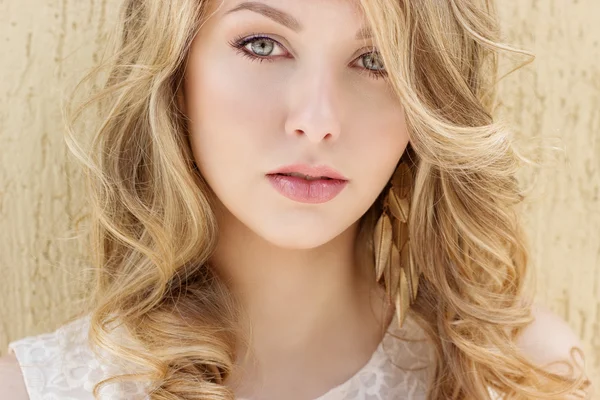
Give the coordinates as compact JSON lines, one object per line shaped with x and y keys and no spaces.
{"x":303,"y":199}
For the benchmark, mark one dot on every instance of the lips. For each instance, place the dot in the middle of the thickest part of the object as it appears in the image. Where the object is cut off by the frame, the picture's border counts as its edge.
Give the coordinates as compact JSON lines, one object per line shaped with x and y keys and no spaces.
{"x":308,"y":178}
{"x":313,"y":191}
{"x":309,"y":172}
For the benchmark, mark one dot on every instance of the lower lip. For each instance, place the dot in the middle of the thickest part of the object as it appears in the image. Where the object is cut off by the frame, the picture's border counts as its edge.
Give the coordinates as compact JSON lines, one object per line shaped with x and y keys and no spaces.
{"x":305,"y":191}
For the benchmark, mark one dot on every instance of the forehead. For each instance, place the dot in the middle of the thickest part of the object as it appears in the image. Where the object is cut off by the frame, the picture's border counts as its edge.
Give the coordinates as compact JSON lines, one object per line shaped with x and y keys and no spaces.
{"x":325,"y":18}
{"x":286,"y":8}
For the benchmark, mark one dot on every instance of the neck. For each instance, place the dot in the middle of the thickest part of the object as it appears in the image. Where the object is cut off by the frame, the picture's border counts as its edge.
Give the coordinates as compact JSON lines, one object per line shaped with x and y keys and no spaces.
{"x":300,"y":302}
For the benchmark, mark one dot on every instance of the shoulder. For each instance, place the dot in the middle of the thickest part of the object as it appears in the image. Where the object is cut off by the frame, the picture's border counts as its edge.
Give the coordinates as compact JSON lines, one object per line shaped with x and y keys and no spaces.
{"x":549,"y":340}
{"x":11,"y":378}
{"x":543,"y":347}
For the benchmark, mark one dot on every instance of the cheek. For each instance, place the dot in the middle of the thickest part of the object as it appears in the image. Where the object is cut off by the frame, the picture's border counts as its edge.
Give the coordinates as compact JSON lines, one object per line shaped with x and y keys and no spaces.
{"x":378,"y":125}
{"x":231,"y":112}
{"x":381,"y":139}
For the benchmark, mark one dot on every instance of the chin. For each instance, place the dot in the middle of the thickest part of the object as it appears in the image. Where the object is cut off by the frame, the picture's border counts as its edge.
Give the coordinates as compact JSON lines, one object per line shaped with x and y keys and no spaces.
{"x":297,"y":243}
{"x":297,"y":240}
{"x":299,"y":236}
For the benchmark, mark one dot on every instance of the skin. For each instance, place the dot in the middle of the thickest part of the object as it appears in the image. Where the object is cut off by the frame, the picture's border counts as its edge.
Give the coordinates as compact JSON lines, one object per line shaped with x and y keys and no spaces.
{"x":292,"y":264}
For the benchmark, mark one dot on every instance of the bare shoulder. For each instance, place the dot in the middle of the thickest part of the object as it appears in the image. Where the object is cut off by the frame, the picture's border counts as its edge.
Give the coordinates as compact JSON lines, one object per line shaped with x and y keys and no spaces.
{"x":549,"y":339}
{"x":11,"y":379}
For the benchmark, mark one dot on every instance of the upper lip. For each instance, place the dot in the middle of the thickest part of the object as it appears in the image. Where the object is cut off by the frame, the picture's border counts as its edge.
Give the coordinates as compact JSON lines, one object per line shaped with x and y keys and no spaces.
{"x":316,"y":171}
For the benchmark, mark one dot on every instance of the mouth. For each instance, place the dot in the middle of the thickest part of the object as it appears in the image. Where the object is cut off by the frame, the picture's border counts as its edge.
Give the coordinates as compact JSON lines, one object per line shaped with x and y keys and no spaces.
{"x":306,"y":188}
{"x":306,"y":177}
{"x":309,"y":173}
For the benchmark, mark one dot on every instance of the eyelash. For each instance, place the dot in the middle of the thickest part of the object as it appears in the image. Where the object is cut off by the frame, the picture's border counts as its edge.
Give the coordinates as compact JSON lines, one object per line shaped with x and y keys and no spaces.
{"x":241,"y":41}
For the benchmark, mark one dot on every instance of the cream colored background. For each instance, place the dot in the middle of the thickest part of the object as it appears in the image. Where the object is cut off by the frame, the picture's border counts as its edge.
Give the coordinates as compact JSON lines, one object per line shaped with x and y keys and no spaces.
{"x":45,"y":45}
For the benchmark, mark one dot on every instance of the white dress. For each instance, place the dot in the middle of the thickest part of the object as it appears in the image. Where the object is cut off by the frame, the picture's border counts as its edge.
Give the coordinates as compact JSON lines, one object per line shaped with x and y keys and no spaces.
{"x":60,"y":366}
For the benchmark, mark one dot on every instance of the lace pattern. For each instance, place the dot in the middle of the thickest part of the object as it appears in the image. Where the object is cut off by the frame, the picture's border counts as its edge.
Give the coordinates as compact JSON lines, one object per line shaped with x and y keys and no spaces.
{"x":60,"y":366}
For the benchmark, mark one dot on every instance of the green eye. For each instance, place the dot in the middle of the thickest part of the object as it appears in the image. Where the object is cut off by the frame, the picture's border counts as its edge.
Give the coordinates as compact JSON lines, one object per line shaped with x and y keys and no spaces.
{"x":373,"y":64}
{"x":262,"y":46}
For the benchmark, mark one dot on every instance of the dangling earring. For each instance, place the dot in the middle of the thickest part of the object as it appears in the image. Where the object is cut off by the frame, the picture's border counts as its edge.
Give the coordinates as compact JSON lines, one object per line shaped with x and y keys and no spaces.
{"x":391,"y":244}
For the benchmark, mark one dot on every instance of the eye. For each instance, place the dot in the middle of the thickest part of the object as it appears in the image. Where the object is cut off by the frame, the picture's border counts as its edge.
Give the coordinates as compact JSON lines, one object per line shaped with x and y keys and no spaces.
{"x":255,"y":47}
{"x":373,"y":64}
{"x":259,"y":47}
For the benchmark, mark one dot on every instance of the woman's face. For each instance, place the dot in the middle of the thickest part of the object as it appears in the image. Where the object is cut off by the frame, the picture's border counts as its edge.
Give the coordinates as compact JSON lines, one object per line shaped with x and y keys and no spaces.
{"x":311,"y":96}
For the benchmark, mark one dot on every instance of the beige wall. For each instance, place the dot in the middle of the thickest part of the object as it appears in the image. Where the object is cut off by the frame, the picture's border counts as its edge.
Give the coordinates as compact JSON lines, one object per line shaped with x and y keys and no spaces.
{"x":558,"y":96}
{"x":44,"y":45}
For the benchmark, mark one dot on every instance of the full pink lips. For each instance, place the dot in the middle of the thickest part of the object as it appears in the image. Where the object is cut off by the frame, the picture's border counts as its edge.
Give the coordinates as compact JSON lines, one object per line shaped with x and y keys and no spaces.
{"x":308,"y":191}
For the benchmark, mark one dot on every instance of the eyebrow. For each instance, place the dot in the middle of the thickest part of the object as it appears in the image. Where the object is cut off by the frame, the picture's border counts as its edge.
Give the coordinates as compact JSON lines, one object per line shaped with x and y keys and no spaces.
{"x":286,"y":19}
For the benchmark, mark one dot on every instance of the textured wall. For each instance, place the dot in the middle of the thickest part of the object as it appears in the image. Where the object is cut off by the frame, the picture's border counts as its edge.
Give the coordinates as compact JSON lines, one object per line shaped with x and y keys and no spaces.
{"x":45,"y":45}
{"x":557,"y":98}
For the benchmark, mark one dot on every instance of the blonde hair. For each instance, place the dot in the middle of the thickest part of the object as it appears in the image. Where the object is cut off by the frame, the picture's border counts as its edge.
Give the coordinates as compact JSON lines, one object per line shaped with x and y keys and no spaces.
{"x":152,"y":227}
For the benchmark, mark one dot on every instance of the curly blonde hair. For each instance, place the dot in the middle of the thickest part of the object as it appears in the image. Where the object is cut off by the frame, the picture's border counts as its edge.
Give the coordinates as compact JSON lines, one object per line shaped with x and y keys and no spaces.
{"x":152,"y":227}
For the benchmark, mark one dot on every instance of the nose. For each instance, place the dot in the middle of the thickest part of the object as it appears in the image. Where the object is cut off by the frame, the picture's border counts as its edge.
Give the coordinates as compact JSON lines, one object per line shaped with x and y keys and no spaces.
{"x":314,"y":107}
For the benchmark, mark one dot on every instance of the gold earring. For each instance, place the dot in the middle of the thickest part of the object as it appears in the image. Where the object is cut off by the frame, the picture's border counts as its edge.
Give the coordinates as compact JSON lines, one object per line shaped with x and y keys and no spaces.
{"x":391,"y":244}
